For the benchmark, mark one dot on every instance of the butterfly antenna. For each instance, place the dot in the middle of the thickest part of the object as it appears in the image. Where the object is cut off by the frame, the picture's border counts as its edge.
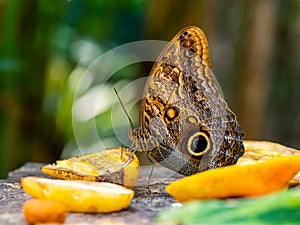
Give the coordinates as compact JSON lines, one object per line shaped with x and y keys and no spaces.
{"x":130,"y":121}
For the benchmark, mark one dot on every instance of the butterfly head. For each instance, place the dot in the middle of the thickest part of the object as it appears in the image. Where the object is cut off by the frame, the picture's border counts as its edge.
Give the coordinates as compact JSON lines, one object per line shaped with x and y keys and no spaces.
{"x":140,"y":140}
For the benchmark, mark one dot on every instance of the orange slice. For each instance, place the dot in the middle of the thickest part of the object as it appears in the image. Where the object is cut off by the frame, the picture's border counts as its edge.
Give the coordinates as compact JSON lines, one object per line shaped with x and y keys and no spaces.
{"x":259,"y":151}
{"x":44,"y":211}
{"x":237,"y":180}
{"x":116,"y":165}
{"x":79,"y":196}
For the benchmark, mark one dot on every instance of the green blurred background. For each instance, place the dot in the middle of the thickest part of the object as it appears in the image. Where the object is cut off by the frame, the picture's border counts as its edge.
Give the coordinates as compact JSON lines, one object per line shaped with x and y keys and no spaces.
{"x":46,"y":45}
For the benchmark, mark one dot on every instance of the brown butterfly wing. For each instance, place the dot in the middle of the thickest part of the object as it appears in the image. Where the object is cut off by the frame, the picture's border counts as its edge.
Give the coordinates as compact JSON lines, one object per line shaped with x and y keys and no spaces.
{"x":185,"y":124}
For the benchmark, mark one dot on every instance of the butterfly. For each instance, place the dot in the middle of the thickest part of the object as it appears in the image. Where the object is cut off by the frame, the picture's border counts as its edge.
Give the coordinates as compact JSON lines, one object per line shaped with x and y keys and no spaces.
{"x":185,"y":124}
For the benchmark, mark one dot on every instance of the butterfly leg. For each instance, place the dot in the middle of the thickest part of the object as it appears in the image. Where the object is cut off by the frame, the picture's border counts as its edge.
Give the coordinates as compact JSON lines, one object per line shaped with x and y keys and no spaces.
{"x":151,"y":172}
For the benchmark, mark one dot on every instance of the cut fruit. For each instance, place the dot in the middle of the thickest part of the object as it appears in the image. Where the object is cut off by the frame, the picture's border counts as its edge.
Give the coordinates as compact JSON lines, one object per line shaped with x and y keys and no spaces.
{"x":116,"y":165}
{"x":237,"y":180}
{"x":79,"y":196}
{"x":259,"y":151}
{"x":44,"y":211}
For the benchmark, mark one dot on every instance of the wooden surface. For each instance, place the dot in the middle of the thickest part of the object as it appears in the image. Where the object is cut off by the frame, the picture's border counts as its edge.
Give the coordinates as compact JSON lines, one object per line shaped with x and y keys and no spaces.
{"x":142,"y":210}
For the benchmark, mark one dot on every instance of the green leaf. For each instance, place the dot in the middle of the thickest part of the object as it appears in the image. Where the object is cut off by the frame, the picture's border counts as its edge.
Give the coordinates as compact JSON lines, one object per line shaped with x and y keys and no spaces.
{"x":279,"y":208}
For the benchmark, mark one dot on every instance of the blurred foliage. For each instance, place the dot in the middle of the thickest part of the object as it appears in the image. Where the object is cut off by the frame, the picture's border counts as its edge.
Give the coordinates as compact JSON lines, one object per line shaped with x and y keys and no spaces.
{"x":47,"y":47}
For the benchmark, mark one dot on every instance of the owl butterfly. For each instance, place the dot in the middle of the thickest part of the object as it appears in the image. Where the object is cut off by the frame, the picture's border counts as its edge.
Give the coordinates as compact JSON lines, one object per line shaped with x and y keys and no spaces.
{"x":185,"y":125}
